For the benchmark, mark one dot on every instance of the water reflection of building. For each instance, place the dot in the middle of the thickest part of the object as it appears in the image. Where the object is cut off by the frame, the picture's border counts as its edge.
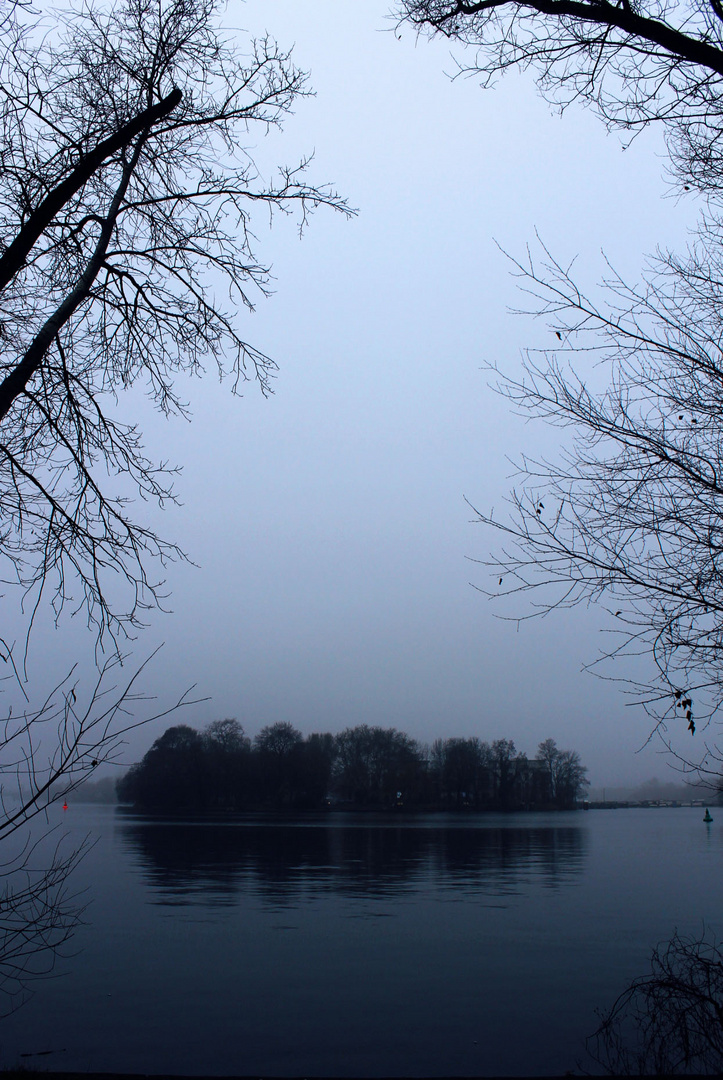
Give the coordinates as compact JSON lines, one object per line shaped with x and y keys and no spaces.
{"x":280,"y":861}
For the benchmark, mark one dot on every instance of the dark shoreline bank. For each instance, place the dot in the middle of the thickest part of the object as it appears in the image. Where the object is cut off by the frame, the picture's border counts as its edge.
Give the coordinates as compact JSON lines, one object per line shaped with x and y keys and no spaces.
{"x":397,"y":811}
{"x":26,"y":1074}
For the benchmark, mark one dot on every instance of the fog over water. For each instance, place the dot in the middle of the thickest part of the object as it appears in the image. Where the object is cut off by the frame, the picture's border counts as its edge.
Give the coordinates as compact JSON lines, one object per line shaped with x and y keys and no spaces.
{"x":333,"y":584}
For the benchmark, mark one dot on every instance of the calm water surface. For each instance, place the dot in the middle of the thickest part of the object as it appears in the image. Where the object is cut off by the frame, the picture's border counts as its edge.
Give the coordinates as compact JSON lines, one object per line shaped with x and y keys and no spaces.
{"x":363,"y":945}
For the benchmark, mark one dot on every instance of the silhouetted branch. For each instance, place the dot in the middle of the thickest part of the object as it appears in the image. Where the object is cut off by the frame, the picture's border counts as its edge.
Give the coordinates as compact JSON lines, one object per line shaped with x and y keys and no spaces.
{"x":670,"y":1022}
{"x":126,"y":200}
{"x":46,"y":752}
{"x":629,"y":514}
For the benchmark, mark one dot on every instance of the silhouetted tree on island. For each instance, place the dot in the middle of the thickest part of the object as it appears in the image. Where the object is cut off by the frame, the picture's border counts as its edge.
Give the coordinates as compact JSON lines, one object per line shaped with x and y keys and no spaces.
{"x":462,"y":772}
{"x":318,"y":754}
{"x":277,"y":756}
{"x":173,"y":774}
{"x":220,"y":769}
{"x":380,"y":766}
{"x":507,"y":769}
{"x":565,"y":775}
{"x":227,"y":772}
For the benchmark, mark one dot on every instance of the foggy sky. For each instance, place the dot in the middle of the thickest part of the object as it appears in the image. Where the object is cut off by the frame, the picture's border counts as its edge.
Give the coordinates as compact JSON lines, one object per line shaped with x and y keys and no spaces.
{"x":333,"y":583}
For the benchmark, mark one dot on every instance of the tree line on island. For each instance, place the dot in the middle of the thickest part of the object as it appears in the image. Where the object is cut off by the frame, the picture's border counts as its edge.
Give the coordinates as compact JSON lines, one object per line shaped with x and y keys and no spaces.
{"x":220,"y":768}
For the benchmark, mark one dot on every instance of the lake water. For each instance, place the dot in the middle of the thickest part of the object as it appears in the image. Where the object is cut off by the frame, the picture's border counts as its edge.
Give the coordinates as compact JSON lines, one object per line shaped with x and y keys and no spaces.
{"x":361,"y":944}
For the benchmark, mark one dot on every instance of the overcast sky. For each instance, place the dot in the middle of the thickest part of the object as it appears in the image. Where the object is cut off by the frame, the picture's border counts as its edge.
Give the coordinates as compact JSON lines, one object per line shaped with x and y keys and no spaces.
{"x":334,"y":583}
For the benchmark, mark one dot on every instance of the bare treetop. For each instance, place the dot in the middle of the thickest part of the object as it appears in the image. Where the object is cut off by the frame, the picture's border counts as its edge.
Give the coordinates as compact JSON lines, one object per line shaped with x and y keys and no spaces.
{"x":628,"y":515}
{"x":126,"y":257}
{"x":635,"y":62}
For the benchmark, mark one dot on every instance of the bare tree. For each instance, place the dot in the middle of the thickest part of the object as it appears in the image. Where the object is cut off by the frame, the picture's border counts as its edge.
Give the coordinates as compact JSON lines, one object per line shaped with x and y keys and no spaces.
{"x":38,"y":914}
{"x":46,"y":751}
{"x":634,"y":61}
{"x":126,"y":197}
{"x":670,"y":1022}
{"x":566,"y":776}
{"x":629,"y":514}
{"x":127,"y":190}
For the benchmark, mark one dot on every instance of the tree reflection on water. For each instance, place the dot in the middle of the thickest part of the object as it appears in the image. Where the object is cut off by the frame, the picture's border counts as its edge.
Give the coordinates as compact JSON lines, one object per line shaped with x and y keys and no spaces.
{"x":283,"y":862}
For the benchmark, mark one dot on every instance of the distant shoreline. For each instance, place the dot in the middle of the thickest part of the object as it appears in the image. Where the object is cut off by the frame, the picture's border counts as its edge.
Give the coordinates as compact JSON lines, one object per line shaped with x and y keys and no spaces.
{"x":663,"y":804}
{"x":408,"y":811}
{"x":27,"y":1074}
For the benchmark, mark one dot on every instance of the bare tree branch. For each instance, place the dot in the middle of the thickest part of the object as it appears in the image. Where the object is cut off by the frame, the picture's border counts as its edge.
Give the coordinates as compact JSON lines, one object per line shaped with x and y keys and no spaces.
{"x":629,"y":514}
{"x":46,"y":752}
{"x":669,"y":1022}
{"x":635,"y":62}
{"x":127,"y":193}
